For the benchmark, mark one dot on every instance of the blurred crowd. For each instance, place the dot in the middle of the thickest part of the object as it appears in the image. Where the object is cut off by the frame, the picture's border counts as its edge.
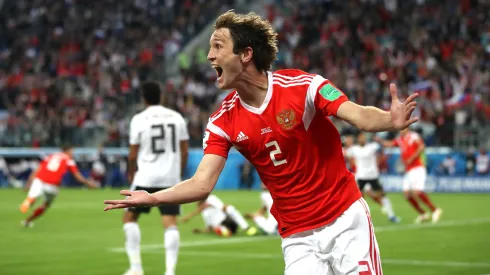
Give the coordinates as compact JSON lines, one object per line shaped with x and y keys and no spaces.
{"x":72,"y":65}
{"x":70,"y":70}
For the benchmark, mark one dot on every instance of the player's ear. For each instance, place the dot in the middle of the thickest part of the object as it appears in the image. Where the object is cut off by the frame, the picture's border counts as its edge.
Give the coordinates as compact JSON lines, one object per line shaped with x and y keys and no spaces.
{"x":246,"y":55}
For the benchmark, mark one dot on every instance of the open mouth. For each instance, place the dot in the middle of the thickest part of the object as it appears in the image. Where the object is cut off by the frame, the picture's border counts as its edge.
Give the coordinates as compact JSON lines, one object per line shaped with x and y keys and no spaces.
{"x":219,"y":71}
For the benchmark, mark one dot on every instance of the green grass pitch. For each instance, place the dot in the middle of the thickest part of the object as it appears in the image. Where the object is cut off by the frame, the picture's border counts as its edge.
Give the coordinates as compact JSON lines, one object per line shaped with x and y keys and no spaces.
{"x":76,"y":237}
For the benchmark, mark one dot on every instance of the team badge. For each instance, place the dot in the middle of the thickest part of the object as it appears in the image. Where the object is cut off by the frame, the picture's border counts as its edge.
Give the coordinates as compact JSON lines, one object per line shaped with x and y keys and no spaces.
{"x":287,"y":119}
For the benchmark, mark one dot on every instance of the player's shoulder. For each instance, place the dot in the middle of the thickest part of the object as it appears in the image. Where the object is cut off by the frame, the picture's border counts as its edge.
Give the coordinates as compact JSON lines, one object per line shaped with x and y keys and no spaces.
{"x":173,"y":113}
{"x":287,"y":79}
{"x":286,"y":73}
{"x":227,"y":107}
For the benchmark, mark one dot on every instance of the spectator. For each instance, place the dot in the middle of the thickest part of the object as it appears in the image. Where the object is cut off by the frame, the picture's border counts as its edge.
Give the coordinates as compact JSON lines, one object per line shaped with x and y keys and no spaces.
{"x":482,"y":162}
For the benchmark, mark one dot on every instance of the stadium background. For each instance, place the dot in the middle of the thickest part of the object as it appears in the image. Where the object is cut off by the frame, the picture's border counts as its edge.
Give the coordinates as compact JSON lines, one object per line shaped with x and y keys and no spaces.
{"x":70,"y":72}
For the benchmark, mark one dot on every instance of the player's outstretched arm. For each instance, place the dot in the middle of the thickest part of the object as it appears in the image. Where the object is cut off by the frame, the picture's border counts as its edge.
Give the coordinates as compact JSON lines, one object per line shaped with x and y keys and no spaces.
{"x":194,"y":189}
{"x":90,"y":184}
{"x":194,"y":213}
{"x":372,"y":119}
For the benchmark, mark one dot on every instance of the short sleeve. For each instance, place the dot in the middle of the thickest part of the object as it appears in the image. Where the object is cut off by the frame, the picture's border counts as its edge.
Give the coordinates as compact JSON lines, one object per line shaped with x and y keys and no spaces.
{"x":215,"y":141}
{"x":349,"y":152}
{"x":325,"y":96}
{"x":184,"y":133}
{"x":134,"y":132}
{"x":72,"y":166}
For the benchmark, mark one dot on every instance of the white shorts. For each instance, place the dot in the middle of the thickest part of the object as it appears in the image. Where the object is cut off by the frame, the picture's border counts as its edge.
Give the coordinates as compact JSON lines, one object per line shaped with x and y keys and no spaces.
{"x":153,"y":180}
{"x":415,"y":179}
{"x":39,"y":188}
{"x":345,"y":246}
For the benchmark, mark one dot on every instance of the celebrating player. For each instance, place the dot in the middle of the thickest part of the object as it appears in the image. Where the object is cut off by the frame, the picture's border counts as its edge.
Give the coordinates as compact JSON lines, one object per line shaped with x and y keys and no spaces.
{"x":411,"y":152}
{"x":222,"y":219}
{"x":158,"y":149}
{"x":364,"y":155}
{"x":46,"y":181}
{"x":263,"y":218}
{"x":280,"y":122}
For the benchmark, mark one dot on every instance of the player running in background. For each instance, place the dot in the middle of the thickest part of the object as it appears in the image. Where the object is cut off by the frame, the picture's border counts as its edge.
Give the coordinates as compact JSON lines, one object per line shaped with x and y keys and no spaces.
{"x":412,"y":154}
{"x":222,"y":219}
{"x":263,"y":218}
{"x":46,"y":181}
{"x":280,"y":122}
{"x":158,"y":150}
{"x":348,"y":143}
{"x":364,"y":155}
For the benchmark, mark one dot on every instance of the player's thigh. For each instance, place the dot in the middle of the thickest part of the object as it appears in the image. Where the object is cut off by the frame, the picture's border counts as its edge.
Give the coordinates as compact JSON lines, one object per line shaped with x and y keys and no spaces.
{"x":419,"y":179}
{"x":36,"y":189}
{"x":300,"y":257}
{"x":349,"y":243}
{"x":407,"y":182}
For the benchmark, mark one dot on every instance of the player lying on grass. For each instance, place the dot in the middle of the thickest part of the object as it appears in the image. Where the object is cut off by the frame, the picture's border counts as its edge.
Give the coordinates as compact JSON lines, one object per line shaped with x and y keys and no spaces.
{"x":46,"y":181}
{"x":222,"y":219}
{"x":280,"y":121}
{"x":263,"y":218}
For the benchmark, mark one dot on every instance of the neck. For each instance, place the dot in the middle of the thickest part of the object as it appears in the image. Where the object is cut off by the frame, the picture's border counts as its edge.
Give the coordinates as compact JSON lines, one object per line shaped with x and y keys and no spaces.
{"x":252,"y":89}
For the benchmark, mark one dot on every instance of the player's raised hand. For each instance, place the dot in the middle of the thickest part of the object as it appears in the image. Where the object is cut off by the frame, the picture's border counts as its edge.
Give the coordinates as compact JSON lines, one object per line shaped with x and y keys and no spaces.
{"x":134,"y":198}
{"x":402,"y":111}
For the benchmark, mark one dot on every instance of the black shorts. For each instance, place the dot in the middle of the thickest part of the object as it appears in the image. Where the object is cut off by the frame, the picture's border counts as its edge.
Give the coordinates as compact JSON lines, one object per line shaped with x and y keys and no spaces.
{"x":168,"y":209}
{"x":374,"y":183}
{"x":230,"y":224}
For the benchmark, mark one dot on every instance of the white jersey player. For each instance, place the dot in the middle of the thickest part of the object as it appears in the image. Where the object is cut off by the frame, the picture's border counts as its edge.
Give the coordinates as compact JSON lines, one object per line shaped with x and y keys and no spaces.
{"x":263,"y":218}
{"x":158,"y":148}
{"x":220,"y":218}
{"x":365,"y":157}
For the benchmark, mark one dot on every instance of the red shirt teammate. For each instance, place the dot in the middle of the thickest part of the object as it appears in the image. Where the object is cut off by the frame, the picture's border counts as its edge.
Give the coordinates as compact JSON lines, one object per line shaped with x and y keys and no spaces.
{"x":47,"y":179}
{"x":411,"y":152}
{"x":280,"y":122}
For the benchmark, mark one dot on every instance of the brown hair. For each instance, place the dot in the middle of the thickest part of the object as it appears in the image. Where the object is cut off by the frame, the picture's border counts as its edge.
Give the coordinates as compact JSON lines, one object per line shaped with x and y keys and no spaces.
{"x":251,"y":30}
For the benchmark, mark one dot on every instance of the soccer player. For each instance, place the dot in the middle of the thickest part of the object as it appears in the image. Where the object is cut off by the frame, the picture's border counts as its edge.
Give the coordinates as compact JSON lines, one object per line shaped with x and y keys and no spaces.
{"x":222,"y":219}
{"x":46,"y":181}
{"x":411,"y":152}
{"x":158,"y":150}
{"x":364,"y":155}
{"x":280,"y":122}
{"x":263,"y":218}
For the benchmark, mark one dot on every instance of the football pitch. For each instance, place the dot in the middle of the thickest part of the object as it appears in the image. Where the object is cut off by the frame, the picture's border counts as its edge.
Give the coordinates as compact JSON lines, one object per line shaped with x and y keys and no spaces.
{"x":76,"y":237}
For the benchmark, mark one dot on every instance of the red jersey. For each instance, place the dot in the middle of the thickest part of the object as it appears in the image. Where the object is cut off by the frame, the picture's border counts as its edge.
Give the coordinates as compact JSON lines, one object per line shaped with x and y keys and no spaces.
{"x":53,"y":168}
{"x":408,"y":144}
{"x":294,"y":146}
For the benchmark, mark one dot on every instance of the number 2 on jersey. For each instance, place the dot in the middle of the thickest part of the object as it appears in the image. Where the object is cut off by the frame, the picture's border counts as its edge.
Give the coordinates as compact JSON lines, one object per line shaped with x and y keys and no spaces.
{"x":158,"y":136}
{"x":275,"y":152}
{"x":53,"y":164}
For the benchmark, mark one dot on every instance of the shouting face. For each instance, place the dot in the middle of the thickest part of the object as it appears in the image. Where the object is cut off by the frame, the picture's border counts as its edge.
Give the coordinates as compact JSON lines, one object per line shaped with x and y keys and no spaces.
{"x":227,"y":64}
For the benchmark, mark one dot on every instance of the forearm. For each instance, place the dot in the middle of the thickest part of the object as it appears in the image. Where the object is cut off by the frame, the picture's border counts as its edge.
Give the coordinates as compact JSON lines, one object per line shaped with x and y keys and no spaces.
{"x":372,"y":119}
{"x":190,"y":190}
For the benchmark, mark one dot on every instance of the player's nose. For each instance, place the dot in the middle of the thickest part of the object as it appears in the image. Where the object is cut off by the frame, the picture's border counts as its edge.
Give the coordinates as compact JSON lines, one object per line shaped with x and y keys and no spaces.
{"x":211,"y":55}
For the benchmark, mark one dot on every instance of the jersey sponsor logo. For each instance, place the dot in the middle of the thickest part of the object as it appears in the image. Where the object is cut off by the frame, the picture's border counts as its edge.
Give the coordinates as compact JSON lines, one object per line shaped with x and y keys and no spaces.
{"x":265,"y":130}
{"x":287,"y":119}
{"x":329,"y":92}
{"x":241,"y":137}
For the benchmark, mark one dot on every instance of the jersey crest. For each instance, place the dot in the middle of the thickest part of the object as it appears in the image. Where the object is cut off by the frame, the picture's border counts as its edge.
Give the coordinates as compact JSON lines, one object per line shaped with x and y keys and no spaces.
{"x":287,"y":119}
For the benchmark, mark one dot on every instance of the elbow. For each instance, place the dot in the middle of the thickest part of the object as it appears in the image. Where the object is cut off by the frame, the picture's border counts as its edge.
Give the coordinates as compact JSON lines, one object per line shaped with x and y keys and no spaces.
{"x":204,"y":188}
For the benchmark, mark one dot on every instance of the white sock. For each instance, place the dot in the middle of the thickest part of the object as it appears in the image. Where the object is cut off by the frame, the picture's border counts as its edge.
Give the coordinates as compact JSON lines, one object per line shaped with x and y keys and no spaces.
{"x":172,"y":242}
{"x":133,"y":239}
{"x":236,"y":216}
{"x":265,"y":225}
{"x":386,"y":203}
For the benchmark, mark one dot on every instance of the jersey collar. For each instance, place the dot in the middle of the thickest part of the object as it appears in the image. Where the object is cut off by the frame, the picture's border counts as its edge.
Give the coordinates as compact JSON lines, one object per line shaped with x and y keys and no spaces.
{"x":267,"y":99}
